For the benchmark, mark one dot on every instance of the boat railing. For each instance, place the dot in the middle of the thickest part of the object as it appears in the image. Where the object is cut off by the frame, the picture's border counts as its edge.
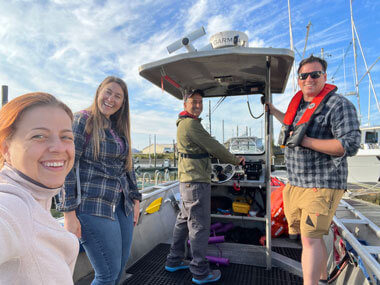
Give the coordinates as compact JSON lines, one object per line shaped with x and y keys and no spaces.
{"x":366,"y":253}
{"x":146,"y":176}
{"x":167,"y":175}
{"x":145,"y":179}
{"x":157,"y":189}
{"x":157,"y":177}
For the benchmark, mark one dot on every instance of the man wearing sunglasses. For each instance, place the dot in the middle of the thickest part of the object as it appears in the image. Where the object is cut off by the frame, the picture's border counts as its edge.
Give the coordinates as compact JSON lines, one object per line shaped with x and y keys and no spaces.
{"x":320,"y":129}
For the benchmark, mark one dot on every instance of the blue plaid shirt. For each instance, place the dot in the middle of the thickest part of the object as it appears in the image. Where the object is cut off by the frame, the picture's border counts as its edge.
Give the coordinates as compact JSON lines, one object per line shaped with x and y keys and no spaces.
{"x":308,"y":168}
{"x":103,"y":180}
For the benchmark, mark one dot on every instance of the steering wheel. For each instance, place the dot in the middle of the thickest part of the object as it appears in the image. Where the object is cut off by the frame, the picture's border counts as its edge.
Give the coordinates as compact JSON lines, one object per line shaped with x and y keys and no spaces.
{"x":221,"y":173}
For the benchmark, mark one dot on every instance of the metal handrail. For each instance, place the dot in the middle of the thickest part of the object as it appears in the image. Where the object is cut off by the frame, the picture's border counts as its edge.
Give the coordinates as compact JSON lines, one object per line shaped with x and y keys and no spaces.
{"x":157,"y":176}
{"x":171,"y":184}
{"x":167,"y":175}
{"x":143,"y":179}
{"x":369,"y":261}
{"x":359,"y":215}
{"x":155,"y":187}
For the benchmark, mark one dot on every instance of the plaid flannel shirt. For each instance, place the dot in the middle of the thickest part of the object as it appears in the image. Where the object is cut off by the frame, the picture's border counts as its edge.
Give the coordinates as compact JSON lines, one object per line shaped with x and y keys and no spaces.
{"x":103,"y":180}
{"x":308,"y":168}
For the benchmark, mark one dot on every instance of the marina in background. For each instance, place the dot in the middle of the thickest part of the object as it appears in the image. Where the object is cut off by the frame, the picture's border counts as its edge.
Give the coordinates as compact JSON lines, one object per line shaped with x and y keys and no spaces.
{"x":161,"y":198}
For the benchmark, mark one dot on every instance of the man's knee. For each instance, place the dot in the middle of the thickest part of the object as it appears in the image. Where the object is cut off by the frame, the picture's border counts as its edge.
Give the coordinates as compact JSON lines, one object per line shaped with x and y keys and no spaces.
{"x":310,"y":242}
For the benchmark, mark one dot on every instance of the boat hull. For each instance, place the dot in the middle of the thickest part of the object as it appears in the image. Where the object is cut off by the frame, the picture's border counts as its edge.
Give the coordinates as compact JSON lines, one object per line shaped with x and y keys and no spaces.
{"x":364,"y":167}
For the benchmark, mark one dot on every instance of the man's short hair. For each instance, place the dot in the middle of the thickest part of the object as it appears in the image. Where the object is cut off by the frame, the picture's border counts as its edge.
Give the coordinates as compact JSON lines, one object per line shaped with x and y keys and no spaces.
{"x":312,"y":59}
{"x":191,"y":93}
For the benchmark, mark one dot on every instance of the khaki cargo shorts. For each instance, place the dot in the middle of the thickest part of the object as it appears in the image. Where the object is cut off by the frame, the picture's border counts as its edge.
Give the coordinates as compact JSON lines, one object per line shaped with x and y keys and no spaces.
{"x":309,"y":211}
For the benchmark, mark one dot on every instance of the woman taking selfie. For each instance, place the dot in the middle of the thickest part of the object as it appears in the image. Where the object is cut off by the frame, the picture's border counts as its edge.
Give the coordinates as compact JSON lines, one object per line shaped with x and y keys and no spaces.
{"x":37,"y":152}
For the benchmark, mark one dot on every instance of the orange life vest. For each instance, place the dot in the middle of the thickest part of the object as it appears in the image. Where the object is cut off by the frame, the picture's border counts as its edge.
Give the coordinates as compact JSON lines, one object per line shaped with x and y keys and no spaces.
{"x":315,"y":106}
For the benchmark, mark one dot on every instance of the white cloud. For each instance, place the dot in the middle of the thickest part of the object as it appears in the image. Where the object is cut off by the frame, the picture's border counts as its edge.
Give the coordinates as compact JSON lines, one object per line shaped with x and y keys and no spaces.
{"x":195,"y":15}
{"x":68,"y":47}
{"x":257,"y":42}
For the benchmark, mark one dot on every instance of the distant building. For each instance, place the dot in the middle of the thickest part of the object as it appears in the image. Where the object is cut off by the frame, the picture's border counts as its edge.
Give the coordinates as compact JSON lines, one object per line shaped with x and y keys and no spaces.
{"x":160,"y":148}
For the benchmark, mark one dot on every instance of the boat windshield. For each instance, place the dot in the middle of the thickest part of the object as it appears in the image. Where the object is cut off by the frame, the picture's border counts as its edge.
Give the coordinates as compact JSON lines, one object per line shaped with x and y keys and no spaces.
{"x":371,"y":137}
{"x":247,"y":145}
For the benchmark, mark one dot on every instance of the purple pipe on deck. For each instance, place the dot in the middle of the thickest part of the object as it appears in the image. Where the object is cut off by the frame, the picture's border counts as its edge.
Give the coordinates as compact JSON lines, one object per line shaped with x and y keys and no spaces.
{"x":215,"y":226}
{"x":216,"y":239}
{"x":218,"y":260}
{"x":225,"y":228}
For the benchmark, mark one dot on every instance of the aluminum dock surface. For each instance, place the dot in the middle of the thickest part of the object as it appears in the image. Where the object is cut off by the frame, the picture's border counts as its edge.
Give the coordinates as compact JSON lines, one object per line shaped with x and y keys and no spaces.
{"x":370,"y":210}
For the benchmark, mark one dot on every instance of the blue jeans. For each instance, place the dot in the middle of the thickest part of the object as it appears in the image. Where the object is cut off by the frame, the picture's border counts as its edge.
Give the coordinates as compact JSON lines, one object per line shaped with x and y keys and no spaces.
{"x":107,"y":244}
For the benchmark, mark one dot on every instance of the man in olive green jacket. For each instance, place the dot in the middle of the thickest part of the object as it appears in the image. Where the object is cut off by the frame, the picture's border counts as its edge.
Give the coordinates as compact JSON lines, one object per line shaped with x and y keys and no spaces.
{"x":195,"y":145}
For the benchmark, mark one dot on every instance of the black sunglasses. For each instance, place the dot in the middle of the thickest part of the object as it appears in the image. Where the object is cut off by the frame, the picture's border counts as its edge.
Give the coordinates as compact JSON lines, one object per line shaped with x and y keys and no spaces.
{"x":313,"y":74}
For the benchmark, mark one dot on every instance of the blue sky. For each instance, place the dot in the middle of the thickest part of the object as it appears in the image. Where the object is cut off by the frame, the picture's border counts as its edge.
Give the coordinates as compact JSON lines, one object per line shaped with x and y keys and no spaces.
{"x":68,"y":47}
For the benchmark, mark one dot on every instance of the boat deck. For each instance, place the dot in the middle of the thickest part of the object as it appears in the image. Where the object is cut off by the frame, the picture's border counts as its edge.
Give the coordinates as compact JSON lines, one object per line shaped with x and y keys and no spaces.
{"x":150,"y":270}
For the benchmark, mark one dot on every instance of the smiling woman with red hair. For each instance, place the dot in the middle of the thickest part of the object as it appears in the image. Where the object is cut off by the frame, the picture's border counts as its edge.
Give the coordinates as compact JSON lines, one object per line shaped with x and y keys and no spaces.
{"x":37,"y":152}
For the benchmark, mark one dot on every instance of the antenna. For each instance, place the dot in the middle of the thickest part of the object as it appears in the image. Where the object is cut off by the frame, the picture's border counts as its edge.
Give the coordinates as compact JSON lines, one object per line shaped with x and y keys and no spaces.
{"x":186,"y":41}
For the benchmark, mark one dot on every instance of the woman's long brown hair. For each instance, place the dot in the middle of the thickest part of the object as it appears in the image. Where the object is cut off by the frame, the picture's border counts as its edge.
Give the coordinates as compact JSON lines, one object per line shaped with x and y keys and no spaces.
{"x":97,"y":121}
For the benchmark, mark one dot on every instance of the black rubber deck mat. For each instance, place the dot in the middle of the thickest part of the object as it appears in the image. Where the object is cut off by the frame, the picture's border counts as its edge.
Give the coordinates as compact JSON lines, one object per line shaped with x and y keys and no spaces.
{"x":293,"y":253}
{"x":149,"y":270}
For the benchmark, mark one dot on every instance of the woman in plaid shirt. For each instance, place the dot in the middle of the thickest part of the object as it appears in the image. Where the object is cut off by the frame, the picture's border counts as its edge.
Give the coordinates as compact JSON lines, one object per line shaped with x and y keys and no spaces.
{"x":106,"y":209}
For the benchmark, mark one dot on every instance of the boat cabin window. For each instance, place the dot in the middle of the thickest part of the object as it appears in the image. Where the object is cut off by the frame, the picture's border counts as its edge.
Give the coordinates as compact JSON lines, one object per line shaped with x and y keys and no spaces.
{"x":371,"y":137}
{"x":248,"y":145}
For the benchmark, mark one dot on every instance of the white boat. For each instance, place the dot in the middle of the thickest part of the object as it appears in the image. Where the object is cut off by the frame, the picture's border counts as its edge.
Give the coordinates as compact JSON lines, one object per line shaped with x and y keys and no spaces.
{"x":364,"y":167}
{"x":234,"y":69}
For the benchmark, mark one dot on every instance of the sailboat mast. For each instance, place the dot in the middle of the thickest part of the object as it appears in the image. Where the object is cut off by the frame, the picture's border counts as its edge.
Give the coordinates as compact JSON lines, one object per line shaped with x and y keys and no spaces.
{"x":306,"y":38}
{"x":355,"y":62}
{"x":344,"y":72}
{"x":292,"y":47}
{"x":371,"y":86}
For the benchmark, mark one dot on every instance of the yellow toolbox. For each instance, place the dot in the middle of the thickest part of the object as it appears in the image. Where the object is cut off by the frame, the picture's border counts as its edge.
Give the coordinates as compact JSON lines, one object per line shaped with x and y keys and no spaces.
{"x":240,"y":206}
